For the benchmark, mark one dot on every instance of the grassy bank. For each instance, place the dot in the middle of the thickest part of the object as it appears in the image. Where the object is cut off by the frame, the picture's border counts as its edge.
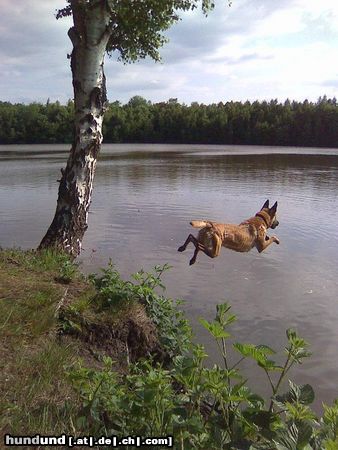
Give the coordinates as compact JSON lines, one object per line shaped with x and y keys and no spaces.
{"x":33,"y":384}
{"x":51,"y":320}
{"x":104,"y":356}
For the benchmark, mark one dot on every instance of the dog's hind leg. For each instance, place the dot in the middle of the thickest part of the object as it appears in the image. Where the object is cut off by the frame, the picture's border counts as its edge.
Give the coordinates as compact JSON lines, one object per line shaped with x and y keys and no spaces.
{"x":189,"y":239}
{"x":193,"y":259}
{"x":198,"y":247}
{"x":211,"y":252}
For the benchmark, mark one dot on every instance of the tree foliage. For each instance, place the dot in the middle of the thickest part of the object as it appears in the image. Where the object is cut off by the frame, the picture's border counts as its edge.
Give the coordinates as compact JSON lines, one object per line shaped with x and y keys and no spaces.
{"x":136,"y":26}
{"x":36,"y":123}
{"x":250,"y":123}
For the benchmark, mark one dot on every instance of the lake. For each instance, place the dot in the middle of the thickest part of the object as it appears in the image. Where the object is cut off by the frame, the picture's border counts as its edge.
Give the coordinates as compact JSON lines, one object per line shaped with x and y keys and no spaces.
{"x":144,"y":198}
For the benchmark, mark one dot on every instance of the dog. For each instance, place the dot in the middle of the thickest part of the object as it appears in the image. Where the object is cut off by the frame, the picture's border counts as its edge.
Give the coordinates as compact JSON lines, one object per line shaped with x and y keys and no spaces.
{"x":240,"y":238}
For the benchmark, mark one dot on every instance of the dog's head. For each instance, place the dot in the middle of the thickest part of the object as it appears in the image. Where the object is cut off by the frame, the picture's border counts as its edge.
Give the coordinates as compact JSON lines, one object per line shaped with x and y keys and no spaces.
{"x":269,"y":215}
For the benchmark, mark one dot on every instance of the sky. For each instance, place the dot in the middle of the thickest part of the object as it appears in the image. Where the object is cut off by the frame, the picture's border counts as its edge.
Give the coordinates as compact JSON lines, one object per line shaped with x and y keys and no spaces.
{"x":253,"y":50}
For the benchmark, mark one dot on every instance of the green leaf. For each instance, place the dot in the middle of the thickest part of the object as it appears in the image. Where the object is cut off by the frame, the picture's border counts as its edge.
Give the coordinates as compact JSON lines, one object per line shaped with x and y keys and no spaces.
{"x":307,"y":394}
{"x":221,"y":315}
{"x":215,"y":329}
{"x":261,"y":418}
{"x":303,"y":394}
{"x":266,"y":349}
{"x":331,"y":445}
{"x":291,"y":334}
{"x":222,"y":309}
{"x":251,"y":351}
{"x":286,"y":439}
{"x":270,"y":365}
{"x":205,"y":323}
{"x":297,"y":349}
{"x":256,"y":401}
{"x":330,"y":416}
{"x":149,"y":395}
{"x":304,"y":434}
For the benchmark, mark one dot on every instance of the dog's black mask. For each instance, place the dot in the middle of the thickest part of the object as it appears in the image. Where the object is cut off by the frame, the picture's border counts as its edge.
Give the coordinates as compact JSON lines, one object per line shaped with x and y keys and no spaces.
{"x":274,"y":224}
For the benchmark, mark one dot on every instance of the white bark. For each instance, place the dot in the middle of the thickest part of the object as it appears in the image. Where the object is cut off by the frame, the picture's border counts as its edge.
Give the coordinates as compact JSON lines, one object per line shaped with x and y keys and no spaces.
{"x":89,"y":36}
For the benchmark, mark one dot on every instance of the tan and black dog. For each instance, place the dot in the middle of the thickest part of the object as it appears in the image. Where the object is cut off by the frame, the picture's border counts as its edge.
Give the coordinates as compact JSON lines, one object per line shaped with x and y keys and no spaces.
{"x":241,"y":238}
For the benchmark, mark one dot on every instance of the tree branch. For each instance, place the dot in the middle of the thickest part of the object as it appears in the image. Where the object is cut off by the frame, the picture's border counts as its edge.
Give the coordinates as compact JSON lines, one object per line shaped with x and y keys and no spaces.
{"x":64,"y":12}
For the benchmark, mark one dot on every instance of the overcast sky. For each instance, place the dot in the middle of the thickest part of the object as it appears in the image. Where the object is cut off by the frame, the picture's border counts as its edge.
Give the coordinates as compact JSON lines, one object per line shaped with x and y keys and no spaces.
{"x":256,"y":49}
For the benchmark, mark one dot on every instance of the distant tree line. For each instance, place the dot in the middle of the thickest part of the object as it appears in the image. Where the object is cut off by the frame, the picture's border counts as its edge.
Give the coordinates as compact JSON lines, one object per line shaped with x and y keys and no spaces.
{"x":254,"y":123}
{"x":36,"y":123}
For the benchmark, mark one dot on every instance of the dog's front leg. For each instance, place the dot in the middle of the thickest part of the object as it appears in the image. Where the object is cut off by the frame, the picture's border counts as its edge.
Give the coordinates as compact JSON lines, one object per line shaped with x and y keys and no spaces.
{"x":262,"y":244}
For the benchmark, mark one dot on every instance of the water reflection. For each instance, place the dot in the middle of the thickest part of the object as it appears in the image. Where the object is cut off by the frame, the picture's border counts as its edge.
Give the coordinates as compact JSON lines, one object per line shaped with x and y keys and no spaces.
{"x":144,"y":198}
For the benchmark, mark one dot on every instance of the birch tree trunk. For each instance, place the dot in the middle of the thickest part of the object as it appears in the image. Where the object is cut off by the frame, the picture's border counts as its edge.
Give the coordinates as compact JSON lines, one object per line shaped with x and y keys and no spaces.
{"x":89,"y":35}
{"x":134,"y":29}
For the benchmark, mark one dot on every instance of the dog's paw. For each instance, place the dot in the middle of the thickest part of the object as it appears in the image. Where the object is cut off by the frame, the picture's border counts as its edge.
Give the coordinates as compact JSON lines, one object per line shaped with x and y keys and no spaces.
{"x":181,"y":249}
{"x":192,"y":261}
{"x":276,"y":240}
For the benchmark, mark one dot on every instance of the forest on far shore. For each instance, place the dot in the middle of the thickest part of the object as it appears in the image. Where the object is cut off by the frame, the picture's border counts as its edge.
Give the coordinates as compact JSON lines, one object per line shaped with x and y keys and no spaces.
{"x":292,"y":123}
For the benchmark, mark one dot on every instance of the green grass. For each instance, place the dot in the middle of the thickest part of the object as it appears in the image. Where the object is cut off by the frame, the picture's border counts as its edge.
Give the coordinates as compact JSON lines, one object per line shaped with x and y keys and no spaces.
{"x":51,"y":320}
{"x":33,"y":382}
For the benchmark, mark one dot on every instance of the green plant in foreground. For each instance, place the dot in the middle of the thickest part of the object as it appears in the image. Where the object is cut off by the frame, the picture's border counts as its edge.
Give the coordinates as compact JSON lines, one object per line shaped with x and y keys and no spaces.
{"x":288,"y":422}
{"x":67,"y":271}
{"x":201,"y":407}
{"x":113,"y":292}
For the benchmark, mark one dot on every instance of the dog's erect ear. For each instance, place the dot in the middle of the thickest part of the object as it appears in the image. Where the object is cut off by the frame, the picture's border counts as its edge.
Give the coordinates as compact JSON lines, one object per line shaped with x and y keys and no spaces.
{"x":266,"y":205}
{"x":273,"y":209}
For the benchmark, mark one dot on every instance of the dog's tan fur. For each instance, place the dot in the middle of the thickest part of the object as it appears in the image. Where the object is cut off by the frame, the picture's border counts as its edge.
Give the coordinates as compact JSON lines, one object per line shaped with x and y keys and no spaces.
{"x":241,"y":238}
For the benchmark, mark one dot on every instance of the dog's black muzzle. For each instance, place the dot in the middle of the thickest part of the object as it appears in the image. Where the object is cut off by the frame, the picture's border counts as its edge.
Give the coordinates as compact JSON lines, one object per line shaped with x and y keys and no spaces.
{"x":275,"y":224}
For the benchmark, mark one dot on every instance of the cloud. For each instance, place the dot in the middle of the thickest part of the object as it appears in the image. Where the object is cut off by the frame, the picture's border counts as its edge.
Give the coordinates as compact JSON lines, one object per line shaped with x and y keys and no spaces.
{"x":232,"y":60}
{"x":254,"y":49}
{"x":33,"y":51}
{"x":330,"y":83}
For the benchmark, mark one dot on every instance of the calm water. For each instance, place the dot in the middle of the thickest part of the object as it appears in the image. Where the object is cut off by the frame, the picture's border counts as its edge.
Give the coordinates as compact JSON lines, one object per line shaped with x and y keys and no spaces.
{"x":144,"y":198}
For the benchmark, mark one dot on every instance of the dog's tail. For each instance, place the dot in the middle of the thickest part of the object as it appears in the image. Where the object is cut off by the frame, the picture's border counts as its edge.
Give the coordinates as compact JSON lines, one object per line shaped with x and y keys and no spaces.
{"x":200,"y":223}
